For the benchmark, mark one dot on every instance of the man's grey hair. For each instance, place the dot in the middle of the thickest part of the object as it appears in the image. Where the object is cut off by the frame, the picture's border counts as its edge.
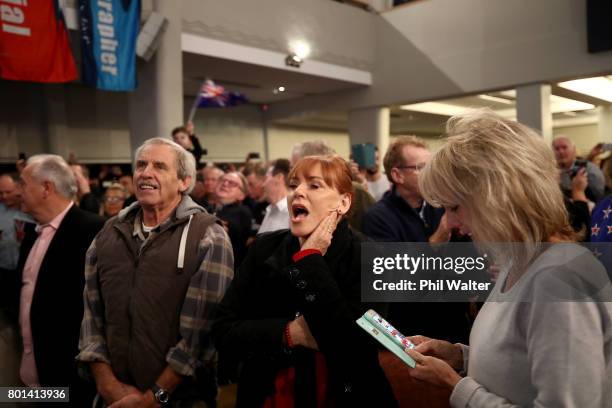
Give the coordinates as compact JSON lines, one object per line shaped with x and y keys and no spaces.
{"x":54,"y":169}
{"x":315,"y":148}
{"x":563,"y":137}
{"x":185,"y":162}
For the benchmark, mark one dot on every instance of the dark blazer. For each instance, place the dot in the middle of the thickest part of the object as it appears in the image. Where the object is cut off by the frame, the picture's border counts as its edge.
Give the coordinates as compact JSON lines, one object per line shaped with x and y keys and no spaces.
{"x":239,"y":219}
{"x":57,"y":305}
{"x":268,"y":290}
{"x":393,"y":220}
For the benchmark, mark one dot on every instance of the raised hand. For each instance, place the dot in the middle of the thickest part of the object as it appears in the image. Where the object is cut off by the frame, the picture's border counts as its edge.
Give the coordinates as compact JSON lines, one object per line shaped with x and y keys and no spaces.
{"x":321,"y":237}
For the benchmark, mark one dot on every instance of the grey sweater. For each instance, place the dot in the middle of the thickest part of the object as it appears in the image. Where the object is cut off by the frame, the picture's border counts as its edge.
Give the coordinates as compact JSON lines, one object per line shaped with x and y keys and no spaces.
{"x":532,"y":346}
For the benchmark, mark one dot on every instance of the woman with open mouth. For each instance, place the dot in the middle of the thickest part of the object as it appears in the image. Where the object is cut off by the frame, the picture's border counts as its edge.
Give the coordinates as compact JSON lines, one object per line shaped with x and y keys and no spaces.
{"x":289,"y":314}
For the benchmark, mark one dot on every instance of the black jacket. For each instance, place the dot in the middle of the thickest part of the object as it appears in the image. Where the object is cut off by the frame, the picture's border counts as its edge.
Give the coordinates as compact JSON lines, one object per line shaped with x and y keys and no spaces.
{"x":239,"y":220}
{"x":392,"y":220}
{"x":265,"y":295}
{"x":57,"y":305}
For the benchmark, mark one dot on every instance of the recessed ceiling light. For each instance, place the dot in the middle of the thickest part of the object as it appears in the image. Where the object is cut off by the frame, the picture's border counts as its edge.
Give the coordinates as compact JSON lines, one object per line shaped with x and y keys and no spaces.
{"x":281,"y":89}
{"x":597,"y":87}
{"x":437,"y":108}
{"x":300,"y":48}
{"x":559,"y":104}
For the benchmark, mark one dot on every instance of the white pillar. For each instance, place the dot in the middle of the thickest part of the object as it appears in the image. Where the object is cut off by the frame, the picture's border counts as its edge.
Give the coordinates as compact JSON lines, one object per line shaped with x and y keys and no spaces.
{"x":370,"y":125}
{"x":533,"y":108}
{"x":604,"y":113}
{"x":156,"y":107}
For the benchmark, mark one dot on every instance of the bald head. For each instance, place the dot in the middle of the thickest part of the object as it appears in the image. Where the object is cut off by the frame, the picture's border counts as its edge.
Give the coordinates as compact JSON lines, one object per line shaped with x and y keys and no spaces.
{"x":10,"y":194}
{"x":565,"y":151}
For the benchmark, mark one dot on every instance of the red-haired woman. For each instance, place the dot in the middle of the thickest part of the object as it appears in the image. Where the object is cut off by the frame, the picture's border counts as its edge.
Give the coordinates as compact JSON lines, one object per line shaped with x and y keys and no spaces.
{"x":289,"y":315}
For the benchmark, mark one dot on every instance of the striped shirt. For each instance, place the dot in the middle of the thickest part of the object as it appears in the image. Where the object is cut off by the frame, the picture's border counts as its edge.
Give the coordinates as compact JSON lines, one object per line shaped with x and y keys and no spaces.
{"x":206,"y":289}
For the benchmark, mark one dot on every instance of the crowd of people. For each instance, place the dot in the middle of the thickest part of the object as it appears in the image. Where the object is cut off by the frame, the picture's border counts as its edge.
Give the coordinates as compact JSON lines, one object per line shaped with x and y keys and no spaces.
{"x":151,"y":289}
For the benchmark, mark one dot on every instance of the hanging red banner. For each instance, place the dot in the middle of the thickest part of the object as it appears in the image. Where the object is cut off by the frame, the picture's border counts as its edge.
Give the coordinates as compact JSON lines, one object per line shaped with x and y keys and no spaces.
{"x":34,"y":42}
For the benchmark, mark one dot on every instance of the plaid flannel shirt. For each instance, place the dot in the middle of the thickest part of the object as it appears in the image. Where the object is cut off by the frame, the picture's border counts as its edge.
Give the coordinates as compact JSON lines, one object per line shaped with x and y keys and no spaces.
{"x":205,"y":291}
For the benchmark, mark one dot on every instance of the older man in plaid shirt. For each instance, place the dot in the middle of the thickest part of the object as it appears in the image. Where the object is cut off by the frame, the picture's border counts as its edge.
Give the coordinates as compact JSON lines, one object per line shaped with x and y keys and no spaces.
{"x":154,"y":275}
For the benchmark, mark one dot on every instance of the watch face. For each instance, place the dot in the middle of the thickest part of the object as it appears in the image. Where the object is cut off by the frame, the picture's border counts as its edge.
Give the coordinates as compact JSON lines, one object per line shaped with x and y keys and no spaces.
{"x":162,"y":396}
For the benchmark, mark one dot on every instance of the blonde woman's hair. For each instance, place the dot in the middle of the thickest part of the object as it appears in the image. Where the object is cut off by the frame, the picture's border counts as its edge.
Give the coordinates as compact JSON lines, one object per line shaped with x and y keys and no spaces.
{"x":505,"y":175}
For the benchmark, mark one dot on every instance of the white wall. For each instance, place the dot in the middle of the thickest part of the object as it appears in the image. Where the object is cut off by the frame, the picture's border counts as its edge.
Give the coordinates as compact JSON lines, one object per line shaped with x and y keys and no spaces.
{"x":337,"y":33}
{"x":436,"y":49}
{"x":229,"y":134}
{"x":94,"y":126}
{"x":484,"y":44}
{"x":22,"y":120}
{"x":282,"y":139}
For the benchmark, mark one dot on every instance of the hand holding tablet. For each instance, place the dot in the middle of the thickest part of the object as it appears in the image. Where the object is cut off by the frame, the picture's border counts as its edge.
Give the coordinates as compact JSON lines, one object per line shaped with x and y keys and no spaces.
{"x":387,"y":335}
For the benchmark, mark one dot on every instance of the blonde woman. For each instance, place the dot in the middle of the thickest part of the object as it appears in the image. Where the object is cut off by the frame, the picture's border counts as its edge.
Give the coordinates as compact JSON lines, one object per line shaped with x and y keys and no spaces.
{"x":529,"y":346}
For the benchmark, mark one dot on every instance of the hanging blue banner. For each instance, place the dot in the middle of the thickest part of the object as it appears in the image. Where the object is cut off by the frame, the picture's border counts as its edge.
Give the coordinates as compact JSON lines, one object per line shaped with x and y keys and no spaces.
{"x":109,"y":29}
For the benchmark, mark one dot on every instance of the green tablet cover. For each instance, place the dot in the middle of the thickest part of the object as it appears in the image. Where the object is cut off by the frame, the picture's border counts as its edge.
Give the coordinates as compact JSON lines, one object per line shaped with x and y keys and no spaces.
{"x":386,"y":341}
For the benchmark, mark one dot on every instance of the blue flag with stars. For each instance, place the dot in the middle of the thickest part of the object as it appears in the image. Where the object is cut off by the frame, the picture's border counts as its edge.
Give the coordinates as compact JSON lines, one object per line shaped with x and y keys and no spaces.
{"x":601,"y":221}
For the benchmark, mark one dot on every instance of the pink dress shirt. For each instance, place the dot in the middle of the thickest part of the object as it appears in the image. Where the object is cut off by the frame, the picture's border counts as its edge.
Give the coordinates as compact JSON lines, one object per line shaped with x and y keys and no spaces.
{"x":46,"y":232}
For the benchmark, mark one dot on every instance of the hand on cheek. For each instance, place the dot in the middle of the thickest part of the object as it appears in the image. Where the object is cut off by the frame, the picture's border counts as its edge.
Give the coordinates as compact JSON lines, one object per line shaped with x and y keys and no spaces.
{"x":321,"y":237}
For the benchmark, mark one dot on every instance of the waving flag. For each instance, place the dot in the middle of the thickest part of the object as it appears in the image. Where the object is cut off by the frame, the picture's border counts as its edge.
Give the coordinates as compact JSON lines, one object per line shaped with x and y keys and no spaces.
{"x":34,"y":42}
{"x":215,"y":96}
{"x":212,"y":95}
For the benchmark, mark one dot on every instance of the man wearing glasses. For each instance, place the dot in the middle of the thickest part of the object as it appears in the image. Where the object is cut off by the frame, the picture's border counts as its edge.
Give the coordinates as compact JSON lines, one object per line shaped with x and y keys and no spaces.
{"x":402,"y":215}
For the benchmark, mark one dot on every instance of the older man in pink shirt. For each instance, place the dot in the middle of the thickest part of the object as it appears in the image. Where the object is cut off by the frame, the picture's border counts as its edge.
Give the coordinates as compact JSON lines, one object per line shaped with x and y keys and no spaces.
{"x":46,"y":232}
{"x":49,"y":285}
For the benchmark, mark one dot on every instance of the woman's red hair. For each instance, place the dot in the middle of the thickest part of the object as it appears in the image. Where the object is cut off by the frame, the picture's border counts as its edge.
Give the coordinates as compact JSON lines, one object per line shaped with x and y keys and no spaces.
{"x":335,"y":170}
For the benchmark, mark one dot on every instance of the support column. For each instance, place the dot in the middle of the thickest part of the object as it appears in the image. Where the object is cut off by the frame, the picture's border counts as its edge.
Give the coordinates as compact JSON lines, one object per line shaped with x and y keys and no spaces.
{"x":604,"y":113}
{"x":533,"y":109}
{"x":370,"y":125}
{"x":156,"y":106}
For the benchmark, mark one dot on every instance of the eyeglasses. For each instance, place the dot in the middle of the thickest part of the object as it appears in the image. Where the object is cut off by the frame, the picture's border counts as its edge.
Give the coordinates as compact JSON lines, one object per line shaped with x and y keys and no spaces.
{"x":113,"y":199}
{"x":417,"y":167}
{"x":231,"y":183}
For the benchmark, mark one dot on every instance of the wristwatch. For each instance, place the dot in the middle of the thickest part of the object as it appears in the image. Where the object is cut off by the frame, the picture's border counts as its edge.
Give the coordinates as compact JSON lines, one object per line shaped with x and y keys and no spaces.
{"x":161,"y":396}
